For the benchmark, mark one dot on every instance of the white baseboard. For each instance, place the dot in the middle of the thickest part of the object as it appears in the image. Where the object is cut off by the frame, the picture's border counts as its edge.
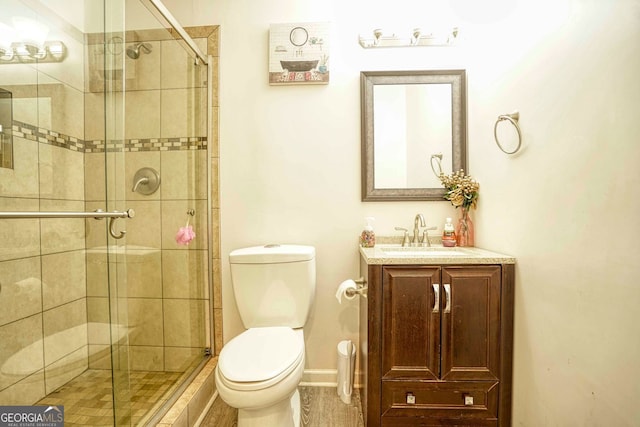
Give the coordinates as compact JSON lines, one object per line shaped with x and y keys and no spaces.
{"x":326,"y":378}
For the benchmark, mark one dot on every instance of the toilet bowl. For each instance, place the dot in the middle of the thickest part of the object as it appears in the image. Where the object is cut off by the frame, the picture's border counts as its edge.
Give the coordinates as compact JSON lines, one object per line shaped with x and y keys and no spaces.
{"x":258,"y":373}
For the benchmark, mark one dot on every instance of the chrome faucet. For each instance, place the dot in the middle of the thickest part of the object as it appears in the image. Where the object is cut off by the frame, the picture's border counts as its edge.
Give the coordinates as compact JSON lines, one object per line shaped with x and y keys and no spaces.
{"x":425,"y":236}
{"x":416,"y":229}
{"x":405,"y":236}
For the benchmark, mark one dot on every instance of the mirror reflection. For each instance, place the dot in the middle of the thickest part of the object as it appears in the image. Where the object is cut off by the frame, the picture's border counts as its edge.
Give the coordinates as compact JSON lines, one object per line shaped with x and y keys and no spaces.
{"x":417,"y":124}
{"x":6,"y":124}
{"x":408,"y":117}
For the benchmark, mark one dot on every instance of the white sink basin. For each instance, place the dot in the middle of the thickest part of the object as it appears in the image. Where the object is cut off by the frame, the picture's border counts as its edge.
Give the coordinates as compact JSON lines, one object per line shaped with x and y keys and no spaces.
{"x":408,"y":251}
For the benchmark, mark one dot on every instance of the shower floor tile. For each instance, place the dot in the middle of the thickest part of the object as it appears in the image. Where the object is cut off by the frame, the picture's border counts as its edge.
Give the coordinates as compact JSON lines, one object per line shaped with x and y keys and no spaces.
{"x":88,"y":398}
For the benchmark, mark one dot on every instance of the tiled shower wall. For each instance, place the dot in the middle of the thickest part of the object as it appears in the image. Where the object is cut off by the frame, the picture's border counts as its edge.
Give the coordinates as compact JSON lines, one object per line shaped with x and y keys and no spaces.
{"x":62,"y":312}
{"x":165,"y":121}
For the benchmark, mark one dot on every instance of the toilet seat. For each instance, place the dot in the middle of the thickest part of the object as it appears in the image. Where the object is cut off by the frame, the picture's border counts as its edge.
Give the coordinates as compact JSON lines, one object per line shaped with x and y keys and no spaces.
{"x":260,"y":357}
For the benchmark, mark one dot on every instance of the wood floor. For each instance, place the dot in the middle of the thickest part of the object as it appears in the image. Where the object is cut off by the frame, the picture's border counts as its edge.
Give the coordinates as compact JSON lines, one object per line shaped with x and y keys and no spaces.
{"x":321,"y":407}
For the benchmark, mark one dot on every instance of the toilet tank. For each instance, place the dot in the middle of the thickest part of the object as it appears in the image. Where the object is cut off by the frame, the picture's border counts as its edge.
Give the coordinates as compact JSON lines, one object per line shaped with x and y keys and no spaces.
{"x":274,"y":285}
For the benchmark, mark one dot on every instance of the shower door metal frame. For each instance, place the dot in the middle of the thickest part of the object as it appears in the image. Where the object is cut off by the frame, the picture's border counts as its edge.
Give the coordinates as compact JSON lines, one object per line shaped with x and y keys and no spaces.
{"x":166,"y":14}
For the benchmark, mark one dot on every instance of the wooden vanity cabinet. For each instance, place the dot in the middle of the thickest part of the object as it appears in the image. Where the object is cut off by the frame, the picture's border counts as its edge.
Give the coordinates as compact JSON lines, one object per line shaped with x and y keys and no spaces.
{"x":437,"y":349}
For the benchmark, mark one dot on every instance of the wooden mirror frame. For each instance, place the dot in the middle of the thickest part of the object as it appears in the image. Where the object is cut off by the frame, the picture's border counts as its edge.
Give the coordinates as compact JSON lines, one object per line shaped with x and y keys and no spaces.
{"x":369,"y":79}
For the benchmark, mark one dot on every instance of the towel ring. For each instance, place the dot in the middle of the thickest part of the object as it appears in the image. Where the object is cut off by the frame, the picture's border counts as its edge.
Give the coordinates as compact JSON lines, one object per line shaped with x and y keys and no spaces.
{"x":438,"y":158}
{"x":513,"y":119}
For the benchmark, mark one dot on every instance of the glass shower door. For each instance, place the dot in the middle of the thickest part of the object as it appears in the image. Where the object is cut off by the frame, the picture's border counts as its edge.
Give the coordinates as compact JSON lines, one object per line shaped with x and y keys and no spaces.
{"x":106,"y":78}
{"x":105,"y":188}
{"x":158,"y":166}
{"x":63,"y":328}
{"x":106,"y":327}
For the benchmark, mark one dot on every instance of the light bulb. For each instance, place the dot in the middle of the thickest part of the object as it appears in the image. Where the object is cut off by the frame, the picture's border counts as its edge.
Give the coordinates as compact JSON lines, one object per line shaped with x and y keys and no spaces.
{"x":31,"y":35}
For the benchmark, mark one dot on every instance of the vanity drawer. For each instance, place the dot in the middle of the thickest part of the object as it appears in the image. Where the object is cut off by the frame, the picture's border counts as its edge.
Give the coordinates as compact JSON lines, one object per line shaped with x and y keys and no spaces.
{"x":439,"y":401}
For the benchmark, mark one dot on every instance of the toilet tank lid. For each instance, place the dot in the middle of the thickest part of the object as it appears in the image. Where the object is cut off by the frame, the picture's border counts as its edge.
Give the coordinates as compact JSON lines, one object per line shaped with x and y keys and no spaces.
{"x":273,"y":253}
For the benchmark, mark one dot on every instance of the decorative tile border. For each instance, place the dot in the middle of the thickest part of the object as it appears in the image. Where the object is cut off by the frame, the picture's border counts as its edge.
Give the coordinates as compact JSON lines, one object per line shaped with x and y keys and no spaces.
{"x":57,"y":139}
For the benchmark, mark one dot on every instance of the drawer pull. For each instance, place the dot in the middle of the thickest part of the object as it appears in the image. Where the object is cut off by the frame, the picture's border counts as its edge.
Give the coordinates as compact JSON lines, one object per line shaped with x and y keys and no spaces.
{"x":468,"y":400}
{"x":411,"y":398}
{"x":447,"y":298}
{"x":436,"y":302}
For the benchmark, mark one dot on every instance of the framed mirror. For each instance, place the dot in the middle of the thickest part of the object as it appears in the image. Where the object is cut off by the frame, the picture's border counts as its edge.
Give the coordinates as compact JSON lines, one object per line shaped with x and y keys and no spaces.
{"x":408,"y":117}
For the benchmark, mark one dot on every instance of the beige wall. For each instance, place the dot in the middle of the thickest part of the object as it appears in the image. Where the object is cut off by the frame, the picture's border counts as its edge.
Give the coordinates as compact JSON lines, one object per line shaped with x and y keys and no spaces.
{"x":565,"y":206}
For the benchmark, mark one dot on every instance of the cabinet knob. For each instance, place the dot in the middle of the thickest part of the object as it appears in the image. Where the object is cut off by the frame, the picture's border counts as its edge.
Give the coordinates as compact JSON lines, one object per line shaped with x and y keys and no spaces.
{"x":468,"y":400}
{"x":411,"y":398}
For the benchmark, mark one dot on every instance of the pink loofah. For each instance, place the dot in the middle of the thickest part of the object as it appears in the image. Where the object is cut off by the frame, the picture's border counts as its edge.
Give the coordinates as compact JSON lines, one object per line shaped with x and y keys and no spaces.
{"x":185,"y":235}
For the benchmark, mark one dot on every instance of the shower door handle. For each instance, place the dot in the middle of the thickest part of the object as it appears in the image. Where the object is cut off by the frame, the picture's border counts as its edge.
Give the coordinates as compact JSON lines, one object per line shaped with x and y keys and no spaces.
{"x":97,"y":214}
{"x":112,"y":230}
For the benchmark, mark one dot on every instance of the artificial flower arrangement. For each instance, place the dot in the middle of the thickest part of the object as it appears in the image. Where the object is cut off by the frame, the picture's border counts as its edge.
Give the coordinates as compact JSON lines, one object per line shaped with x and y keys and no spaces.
{"x":462,"y":191}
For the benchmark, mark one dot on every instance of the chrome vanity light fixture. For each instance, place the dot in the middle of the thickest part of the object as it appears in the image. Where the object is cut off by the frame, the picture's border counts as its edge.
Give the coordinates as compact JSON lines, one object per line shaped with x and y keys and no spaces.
{"x":27,"y":42}
{"x":50,"y":51}
{"x":415,"y":37}
{"x":377,"y":34}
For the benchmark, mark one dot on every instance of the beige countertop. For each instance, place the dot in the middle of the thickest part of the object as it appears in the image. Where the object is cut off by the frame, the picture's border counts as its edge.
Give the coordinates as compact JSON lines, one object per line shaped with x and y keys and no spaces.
{"x":435,"y":254}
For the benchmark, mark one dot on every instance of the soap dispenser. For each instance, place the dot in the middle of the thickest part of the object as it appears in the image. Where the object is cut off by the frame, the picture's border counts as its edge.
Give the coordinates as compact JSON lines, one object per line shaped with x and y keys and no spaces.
{"x":368,"y":237}
{"x":449,"y":234}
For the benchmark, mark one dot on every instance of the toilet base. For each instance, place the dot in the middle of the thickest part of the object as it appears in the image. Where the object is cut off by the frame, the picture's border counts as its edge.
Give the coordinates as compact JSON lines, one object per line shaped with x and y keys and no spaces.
{"x":296,"y":408}
{"x":283,"y":414}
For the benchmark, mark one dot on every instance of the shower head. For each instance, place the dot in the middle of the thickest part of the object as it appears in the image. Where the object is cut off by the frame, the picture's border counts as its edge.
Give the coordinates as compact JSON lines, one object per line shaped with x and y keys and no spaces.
{"x":133,"y":51}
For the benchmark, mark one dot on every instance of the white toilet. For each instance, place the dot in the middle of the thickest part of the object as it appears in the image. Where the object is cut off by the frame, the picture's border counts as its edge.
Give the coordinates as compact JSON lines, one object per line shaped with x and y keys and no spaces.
{"x":259,"y":371}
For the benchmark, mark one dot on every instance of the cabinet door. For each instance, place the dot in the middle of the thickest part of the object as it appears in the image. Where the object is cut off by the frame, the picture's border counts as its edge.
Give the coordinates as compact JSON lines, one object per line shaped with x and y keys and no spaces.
{"x":470,"y":323}
{"x":410,"y":322}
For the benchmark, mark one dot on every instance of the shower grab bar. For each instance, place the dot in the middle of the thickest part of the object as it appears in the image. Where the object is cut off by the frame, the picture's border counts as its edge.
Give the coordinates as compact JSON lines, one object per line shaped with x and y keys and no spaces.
{"x":97,"y":214}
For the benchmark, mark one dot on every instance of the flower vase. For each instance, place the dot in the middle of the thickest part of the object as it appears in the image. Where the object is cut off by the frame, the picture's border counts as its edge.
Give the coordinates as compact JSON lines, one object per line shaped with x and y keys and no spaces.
{"x":464,"y":229}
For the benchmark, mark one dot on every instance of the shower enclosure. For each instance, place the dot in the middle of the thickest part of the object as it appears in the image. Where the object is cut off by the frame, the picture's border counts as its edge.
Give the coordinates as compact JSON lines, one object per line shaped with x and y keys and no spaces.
{"x":106,"y":125}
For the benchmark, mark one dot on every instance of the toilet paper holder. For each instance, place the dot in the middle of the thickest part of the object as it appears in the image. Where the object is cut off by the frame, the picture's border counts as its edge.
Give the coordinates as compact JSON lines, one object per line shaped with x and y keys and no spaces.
{"x":361,"y":290}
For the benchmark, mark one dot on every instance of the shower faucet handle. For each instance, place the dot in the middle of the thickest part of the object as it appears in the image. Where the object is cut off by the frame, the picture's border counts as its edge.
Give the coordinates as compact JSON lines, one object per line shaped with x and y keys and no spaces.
{"x":143,"y":180}
{"x":146,"y":181}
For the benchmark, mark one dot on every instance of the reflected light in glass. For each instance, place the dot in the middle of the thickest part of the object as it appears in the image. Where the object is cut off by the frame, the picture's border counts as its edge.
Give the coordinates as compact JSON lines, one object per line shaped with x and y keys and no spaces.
{"x":7,"y":36}
{"x":31,"y":33}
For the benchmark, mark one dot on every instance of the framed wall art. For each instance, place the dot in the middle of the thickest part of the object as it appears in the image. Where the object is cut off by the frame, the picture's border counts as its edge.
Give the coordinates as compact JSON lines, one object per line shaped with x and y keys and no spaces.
{"x":299,"y":53}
